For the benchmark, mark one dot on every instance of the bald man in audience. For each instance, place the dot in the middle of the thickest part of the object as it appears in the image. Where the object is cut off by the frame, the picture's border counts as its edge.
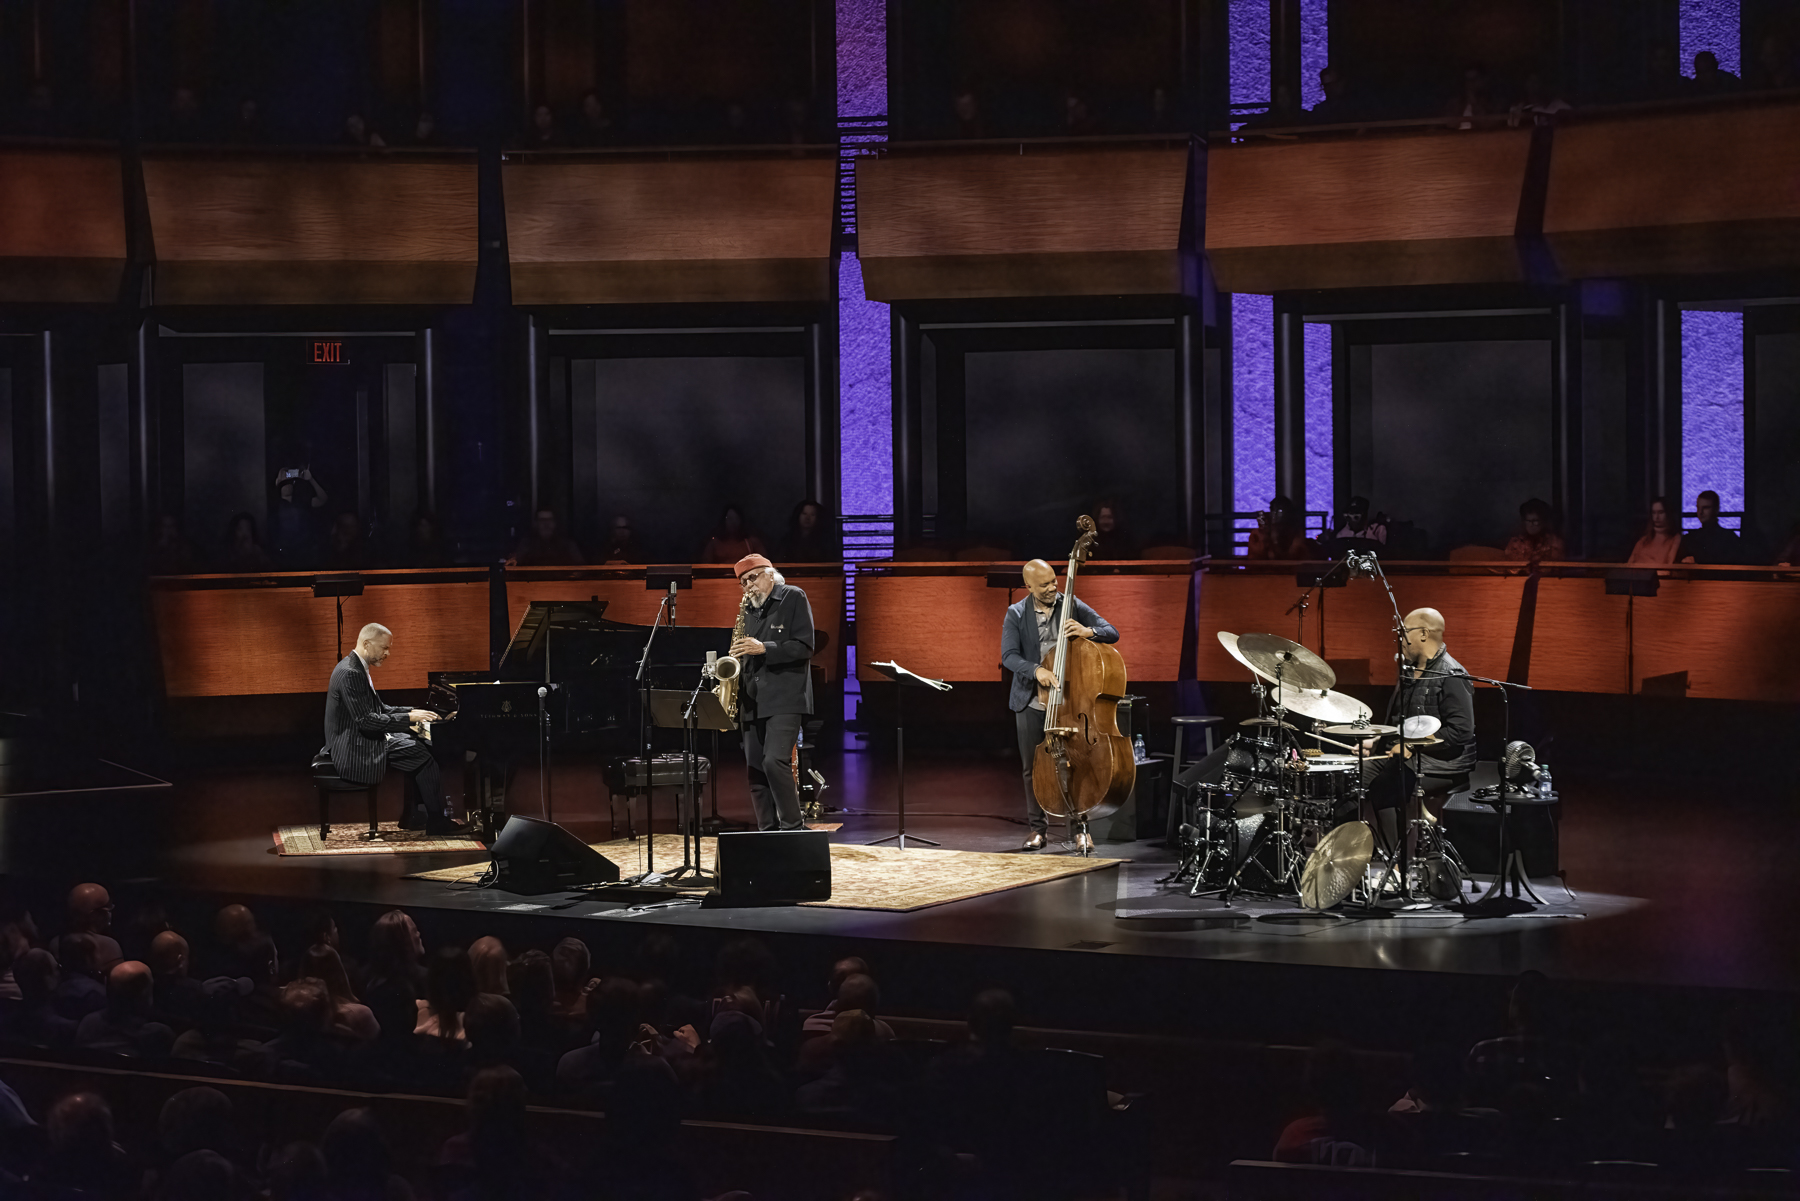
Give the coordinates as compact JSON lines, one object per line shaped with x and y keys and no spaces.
{"x":124,"y":1025}
{"x":365,"y":737}
{"x":90,"y":913}
{"x":178,"y":994}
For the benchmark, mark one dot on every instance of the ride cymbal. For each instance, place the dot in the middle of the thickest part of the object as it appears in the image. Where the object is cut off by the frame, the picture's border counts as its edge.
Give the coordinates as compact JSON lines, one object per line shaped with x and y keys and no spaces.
{"x":1362,"y":731}
{"x":1275,"y":658}
{"x":1229,"y":641}
{"x":1336,"y":864}
{"x":1324,"y":705}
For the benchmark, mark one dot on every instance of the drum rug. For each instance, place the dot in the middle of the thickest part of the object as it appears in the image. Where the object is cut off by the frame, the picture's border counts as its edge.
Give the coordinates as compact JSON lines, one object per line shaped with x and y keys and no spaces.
{"x":350,"y":838}
{"x":884,"y":878}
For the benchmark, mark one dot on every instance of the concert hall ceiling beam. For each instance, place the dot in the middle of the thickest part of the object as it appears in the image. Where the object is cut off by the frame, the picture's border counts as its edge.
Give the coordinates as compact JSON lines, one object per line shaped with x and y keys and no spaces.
{"x":630,"y":230}
{"x":1024,"y":220}
{"x":62,"y":226}
{"x":1703,"y":191}
{"x":326,"y":229}
{"x":1366,"y":212}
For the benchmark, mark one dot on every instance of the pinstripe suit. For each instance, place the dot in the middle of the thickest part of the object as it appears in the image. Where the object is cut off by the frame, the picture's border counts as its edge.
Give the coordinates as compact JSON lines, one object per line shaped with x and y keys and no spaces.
{"x":365,"y":737}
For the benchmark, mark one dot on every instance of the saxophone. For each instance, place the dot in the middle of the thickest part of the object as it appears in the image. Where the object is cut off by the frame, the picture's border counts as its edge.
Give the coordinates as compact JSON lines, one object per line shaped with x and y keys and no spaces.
{"x":726,"y":668}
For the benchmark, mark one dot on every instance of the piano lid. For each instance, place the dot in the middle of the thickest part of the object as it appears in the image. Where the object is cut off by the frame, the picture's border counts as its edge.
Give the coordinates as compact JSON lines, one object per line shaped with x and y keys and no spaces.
{"x":564,"y":640}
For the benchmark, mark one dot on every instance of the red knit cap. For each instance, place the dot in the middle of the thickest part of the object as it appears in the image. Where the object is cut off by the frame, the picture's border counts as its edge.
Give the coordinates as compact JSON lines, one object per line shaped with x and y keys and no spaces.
{"x":750,"y":563}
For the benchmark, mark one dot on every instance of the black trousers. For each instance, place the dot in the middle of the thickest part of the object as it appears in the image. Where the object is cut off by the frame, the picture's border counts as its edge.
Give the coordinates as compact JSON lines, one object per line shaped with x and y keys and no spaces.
{"x":769,"y":754}
{"x":1030,"y":723}
{"x":423,"y":799}
{"x":1390,"y":782}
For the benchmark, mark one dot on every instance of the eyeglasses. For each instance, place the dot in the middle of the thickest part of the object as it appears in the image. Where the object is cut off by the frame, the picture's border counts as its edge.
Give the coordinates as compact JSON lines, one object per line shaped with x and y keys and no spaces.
{"x":750,"y":577}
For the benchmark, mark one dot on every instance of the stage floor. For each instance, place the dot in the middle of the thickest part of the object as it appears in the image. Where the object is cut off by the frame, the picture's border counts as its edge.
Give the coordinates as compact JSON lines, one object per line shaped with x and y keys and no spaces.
{"x":1687,"y":884}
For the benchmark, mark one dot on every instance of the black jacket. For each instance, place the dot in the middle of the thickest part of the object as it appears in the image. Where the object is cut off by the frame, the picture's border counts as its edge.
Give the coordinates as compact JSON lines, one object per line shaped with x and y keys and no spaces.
{"x":780,"y":679}
{"x":1020,"y":653}
{"x":357,"y":723}
{"x":1445,"y":692}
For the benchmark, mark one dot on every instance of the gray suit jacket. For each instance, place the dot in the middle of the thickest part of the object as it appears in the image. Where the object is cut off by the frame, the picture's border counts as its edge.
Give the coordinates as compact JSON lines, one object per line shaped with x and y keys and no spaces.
{"x":1020,"y":653}
{"x":357,"y":723}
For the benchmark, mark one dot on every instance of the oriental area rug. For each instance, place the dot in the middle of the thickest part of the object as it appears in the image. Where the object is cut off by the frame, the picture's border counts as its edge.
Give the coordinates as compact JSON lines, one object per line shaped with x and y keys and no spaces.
{"x":882,"y":878}
{"x":349,"y":838}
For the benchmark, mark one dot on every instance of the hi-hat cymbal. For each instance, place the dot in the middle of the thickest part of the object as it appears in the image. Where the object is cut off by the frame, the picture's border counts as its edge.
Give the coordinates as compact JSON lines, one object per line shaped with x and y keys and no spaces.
{"x":1336,"y":864}
{"x":1362,"y":731}
{"x":1324,"y":705}
{"x":1229,"y":641}
{"x":1419,"y":727}
{"x":1264,"y":721}
{"x":1275,"y":658}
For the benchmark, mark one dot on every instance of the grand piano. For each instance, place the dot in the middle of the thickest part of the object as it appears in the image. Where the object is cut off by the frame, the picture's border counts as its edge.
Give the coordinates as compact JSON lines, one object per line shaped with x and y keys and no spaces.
{"x":594,"y":704}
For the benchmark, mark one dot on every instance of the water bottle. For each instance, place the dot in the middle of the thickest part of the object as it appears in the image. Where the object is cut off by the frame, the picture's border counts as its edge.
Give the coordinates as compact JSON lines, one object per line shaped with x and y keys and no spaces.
{"x":1545,"y":785}
{"x":1137,"y":746}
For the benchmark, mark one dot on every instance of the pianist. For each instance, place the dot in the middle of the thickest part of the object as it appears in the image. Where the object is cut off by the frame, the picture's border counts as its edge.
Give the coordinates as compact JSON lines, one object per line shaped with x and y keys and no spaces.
{"x":366,"y":737}
{"x":775,"y":694}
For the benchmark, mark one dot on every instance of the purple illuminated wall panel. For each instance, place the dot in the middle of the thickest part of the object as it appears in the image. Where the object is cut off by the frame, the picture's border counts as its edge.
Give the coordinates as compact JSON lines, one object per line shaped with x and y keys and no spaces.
{"x":1710,"y":25}
{"x":865,"y":395}
{"x":1252,"y":399}
{"x":862,"y":58}
{"x":1247,"y":28}
{"x":1712,"y":408}
{"x":1319,"y":478}
{"x":1315,"y":50}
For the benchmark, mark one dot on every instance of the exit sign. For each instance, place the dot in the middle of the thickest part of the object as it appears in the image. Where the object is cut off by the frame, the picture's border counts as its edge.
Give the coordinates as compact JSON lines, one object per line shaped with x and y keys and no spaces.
{"x":328,"y":352}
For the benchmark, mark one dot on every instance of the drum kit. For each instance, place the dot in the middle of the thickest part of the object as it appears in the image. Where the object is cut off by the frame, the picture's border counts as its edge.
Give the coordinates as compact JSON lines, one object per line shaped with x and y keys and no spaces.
{"x":1285,"y":819}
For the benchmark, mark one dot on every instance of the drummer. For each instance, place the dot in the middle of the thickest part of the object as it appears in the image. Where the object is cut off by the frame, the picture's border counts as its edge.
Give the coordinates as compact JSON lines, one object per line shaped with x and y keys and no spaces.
{"x":1431,"y":684}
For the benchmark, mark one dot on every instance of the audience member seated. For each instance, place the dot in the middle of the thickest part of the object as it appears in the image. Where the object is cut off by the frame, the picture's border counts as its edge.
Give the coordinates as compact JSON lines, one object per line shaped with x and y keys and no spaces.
{"x":1789,"y":554}
{"x":425,"y":541}
{"x":1116,"y":539}
{"x":545,"y":545}
{"x":859,"y":992}
{"x":1474,"y":100}
{"x":738,"y":1081}
{"x":1661,"y":537}
{"x":1538,"y":106}
{"x":976,"y":1091}
{"x":571,"y":967}
{"x":1776,"y":65}
{"x":1536,"y":540}
{"x":488,"y":960}
{"x":304,"y":1052}
{"x":1339,"y":1130}
{"x":1429,"y":1122}
{"x":33,"y":1019}
{"x":170,"y":551}
{"x":1284,"y":111}
{"x":531,"y":984}
{"x":1354,"y":525}
{"x":731,"y":539}
{"x":246,"y":126}
{"x":810,"y":538}
{"x":79,"y":990}
{"x":639,"y":1153}
{"x":541,"y":132}
{"x":595,"y":126}
{"x":294,"y":524}
{"x":1760,"y":1104}
{"x":1712,"y":543}
{"x":297,"y":1172}
{"x":1694,"y":1141}
{"x":1613,"y":1116}
{"x":1709,"y":79}
{"x":1533,"y":1053}
{"x":391,"y":983}
{"x":1280,"y":533}
{"x":241,"y":951}
{"x":351,"y":1020}
{"x":179,"y":996}
{"x":242,"y":550}
{"x":91,"y":913}
{"x":1663,"y":79}
{"x":358,"y":1163}
{"x":197,"y":1119}
{"x":622,"y":545}
{"x":124,"y":1026}
{"x":613,"y":1025}
{"x":491,"y":1024}
{"x":449,"y":987}
{"x":1338,"y":107}
{"x":496,"y":1159}
{"x":347,"y":549}
{"x":83,"y":1160}
{"x":819,"y":1024}
{"x":861,"y":1084}
{"x":358,"y":133}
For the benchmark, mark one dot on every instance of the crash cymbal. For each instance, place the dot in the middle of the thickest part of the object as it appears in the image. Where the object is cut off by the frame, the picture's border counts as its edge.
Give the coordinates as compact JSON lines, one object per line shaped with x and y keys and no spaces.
{"x":1336,"y":864}
{"x":1264,"y":721}
{"x":1368,"y":731}
{"x":1274,"y":657}
{"x":1419,"y":727}
{"x":1323,"y":705}
{"x":1229,"y":641}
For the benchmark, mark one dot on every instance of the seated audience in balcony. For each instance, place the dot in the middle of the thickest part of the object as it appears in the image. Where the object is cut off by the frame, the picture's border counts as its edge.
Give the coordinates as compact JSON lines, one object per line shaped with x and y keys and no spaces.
{"x":1339,"y":107}
{"x":1776,"y":67}
{"x":90,"y":912}
{"x":541,"y":132}
{"x":1078,"y":120}
{"x":294,"y":521}
{"x":732,"y":539}
{"x":595,"y":126}
{"x":1280,"y":534}
{"x":1712,"y":543}
{"x":425,"y":541}
{"x":1537,"y":539}
{"x":622,"y":545}
{"x":1663,"y":79}
{"x":975,"y":1091}
{"x":1661,"y":537}
{"x":124,"y":1026}
{"x":1538,"y":106}
{"x":425,"y":131}
{"x":358,"y":133}
{"x":1429,"y":1121}
{"x":965,"y":109}
{"x":243,"y":551}
{"x":247,"y":126}
{"x":185,"y":122}
{"x":34,"y":1018}
{"x":810,"y":536}
{"x":1789,"y":554}
{"x":1116,"y":538}
{"x":1354,"y":524}
{"x":546,"y":545}
{"x":346,"y":549}
{"x":1284,"y":111}
{"x":1474,"y":100}
{"x":1710,"y":79}
{"x":170,"y":551}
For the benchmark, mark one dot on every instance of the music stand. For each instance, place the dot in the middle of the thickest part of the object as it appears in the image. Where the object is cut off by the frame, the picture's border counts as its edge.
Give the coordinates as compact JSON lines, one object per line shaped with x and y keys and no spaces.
{"x":903,"y":679}
{"x":689,"y":712}
{"x":341,"y":585}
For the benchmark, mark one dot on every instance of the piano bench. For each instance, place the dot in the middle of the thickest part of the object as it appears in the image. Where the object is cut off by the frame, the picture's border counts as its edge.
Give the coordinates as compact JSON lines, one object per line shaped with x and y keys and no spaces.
{"x":327,"y":781}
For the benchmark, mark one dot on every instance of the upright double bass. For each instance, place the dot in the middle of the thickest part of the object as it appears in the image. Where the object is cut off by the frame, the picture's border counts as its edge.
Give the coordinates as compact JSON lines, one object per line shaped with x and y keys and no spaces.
{"x":1084,"y":768}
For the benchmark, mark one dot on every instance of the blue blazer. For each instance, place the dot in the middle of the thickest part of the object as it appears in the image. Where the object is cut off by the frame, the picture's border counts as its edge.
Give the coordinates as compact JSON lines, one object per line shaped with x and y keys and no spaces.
{"x":357,"y":723}
{"x":1019,"y":650}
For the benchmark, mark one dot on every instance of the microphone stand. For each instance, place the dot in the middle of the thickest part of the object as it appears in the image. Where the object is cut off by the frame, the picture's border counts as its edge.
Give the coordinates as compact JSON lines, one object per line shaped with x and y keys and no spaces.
{"x":1305,"y":601}
{"x":643,"y":685}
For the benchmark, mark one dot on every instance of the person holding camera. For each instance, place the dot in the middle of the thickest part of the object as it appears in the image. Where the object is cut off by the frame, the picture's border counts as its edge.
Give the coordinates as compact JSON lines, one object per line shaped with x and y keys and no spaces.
{"x":293,"y":526}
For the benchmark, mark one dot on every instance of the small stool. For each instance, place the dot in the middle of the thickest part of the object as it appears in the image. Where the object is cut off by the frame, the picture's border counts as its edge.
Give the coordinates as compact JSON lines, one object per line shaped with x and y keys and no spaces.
{"x":1177,"y":795}
{"x":1181,"y":726}
{"x":327,"y":781}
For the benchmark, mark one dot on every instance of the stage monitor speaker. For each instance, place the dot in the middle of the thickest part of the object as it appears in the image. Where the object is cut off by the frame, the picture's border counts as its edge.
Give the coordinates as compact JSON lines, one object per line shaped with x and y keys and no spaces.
{"x":534,"y":856}
{"x":773,"y":867}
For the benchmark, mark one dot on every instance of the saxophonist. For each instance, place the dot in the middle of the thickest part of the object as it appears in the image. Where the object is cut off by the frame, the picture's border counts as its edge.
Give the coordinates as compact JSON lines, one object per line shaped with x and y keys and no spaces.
{"x":773,"y":644}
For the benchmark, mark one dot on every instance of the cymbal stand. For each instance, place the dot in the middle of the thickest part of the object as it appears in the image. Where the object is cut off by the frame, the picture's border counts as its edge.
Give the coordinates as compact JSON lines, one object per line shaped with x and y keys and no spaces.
{"x":1402,"y":858}
{"x":691,"y":867}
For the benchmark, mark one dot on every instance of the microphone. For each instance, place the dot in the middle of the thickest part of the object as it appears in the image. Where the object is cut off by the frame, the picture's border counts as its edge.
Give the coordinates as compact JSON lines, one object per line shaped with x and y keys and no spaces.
{"x":542,"y":692}
{"x":1362,"y":563}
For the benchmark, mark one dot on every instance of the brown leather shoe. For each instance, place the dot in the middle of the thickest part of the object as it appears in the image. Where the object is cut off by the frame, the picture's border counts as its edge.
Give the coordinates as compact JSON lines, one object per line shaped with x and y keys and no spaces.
{"x":1036,"y":842}
{"x":1084,"y":843}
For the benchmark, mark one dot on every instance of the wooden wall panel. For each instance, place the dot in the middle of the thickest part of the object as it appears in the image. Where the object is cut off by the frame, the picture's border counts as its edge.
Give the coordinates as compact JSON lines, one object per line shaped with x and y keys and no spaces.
{"x":1366,"y":212}
{"x":338,"y":230}
{"x":1579,"y":638}
{"x":1735,"y":639}
{"x":1063,"y":222}
{"x":62,"y":226}
{"x":648,"y":231}
{"x":1481,"y":615}
{"x":256,"y":641}
{"x":1248,"y":604}
{"x":1683,"y":192}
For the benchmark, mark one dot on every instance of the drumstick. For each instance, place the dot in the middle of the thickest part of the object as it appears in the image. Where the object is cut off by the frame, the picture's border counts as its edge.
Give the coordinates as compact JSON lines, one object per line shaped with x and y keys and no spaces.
{"x":1349,"y":746}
